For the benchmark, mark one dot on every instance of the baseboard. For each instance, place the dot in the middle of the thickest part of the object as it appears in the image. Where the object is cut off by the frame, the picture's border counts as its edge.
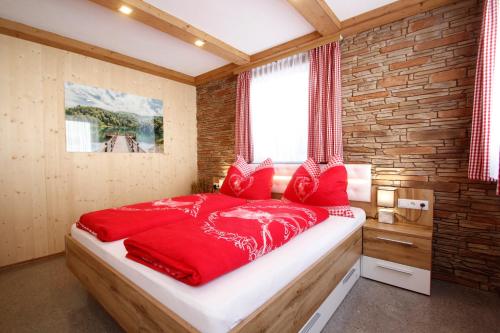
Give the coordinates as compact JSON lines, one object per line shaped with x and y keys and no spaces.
{"x":31,"y":261}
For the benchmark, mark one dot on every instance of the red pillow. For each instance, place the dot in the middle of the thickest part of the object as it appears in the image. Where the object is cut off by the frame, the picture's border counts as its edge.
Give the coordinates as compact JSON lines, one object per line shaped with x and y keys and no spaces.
{"x":328,"y":188}
{"x":243,"y":182}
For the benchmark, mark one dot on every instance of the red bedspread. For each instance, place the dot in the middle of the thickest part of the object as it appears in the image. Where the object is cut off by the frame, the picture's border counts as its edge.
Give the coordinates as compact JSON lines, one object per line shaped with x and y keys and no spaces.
{"x":203,"y":249}
{"x":117,"y":223}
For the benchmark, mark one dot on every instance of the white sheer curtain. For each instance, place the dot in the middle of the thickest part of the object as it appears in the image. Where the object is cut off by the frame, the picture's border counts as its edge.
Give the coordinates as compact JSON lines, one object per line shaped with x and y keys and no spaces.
{"x":279,"y":110}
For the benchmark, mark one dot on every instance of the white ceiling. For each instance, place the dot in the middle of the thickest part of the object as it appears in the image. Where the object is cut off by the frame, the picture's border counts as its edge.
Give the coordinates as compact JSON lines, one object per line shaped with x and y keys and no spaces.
{"x":249,"y":25}
{"x":345,"y":9}
{"x":94,"y":24}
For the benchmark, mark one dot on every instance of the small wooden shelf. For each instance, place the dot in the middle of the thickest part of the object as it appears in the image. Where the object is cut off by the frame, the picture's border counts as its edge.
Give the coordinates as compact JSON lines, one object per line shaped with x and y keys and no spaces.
{"x":405,"y":229}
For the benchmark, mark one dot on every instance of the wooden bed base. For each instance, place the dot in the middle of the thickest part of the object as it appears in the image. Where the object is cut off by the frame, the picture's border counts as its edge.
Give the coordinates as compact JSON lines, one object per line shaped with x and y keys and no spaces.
{"x":287,"y":311}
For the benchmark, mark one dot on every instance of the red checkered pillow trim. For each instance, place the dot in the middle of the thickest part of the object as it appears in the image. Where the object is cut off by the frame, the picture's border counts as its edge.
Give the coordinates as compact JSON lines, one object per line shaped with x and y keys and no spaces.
{"x":246,"y":169}
{"x":312,"y":168}
{"x":268,"y":163}
{"x":334,"y":161}
{"x":344,"y":211}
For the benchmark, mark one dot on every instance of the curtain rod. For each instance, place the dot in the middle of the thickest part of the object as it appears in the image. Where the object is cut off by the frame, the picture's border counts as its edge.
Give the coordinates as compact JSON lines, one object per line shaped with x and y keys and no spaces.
{"x":302,"y":48}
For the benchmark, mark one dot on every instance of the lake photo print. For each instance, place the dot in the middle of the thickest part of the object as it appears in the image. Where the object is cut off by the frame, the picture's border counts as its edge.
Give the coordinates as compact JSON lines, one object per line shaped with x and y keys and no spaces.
{"x":103,"y":120}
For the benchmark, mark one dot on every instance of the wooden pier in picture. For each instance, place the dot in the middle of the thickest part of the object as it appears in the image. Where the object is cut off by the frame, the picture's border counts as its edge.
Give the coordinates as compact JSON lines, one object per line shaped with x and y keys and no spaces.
{"x":119,"y":143}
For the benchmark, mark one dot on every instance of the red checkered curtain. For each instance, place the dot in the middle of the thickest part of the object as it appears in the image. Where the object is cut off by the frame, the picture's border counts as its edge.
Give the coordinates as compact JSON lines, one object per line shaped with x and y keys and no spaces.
{"x":485,"y":137}
{"x":325,"y":103}
{"x":243,"y":139}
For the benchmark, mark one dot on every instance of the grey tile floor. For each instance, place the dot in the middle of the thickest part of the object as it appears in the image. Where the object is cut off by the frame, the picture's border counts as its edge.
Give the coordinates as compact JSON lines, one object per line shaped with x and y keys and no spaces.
{"x":45,"y":297}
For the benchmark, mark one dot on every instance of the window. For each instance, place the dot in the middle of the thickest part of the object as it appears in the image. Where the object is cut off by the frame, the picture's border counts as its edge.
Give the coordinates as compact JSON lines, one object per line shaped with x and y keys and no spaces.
{"x":279,"y":110}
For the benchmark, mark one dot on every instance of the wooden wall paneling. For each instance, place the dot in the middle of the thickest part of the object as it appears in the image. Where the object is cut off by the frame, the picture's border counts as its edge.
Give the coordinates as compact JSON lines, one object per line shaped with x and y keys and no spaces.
{"x":8,"y":126}
{"x":44,"y":188}
{"x":7,"y":245}
{"x":49,"y":65}
{"x":29,"y":205}
{"x":39,"y":233}
{"x":64,"y":184}
{"x":19,"y":174}
{"x":56,"y":179}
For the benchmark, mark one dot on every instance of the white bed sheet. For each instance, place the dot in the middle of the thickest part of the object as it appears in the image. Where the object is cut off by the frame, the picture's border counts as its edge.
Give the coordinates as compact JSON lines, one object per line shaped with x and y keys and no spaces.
{"x":221,"y":304}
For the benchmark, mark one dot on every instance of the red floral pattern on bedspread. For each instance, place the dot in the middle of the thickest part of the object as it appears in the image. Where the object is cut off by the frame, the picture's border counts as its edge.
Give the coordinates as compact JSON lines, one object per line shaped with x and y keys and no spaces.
{"x":222,"y":241}
{"x":121,"y":222}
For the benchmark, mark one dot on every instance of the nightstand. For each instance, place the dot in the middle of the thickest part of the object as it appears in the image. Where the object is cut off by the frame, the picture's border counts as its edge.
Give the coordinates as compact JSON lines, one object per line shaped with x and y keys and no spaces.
{"x":398,"y":254}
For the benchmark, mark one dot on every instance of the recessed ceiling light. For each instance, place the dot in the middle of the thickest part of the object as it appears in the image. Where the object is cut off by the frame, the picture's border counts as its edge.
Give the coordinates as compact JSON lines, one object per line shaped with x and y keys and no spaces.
{"x":125,"y":10}
{"x":199,"y":43}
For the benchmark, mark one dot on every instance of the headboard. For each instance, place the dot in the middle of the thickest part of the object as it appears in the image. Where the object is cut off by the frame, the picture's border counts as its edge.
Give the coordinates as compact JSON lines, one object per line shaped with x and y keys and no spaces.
{"x":359,"y":186}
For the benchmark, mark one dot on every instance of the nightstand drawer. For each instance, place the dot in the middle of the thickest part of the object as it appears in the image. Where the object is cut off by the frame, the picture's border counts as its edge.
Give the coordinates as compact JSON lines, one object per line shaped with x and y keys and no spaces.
{"x":398,"y":275}
{"x":402,"y":249}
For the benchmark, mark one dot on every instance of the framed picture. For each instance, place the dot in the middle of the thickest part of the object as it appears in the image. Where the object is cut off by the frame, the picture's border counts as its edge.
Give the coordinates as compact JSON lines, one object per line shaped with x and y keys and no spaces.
{"x":103,"y":120}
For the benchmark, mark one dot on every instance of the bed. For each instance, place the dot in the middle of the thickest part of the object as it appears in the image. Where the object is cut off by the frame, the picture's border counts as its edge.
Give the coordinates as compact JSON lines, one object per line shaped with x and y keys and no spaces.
{"x":289,"y":289}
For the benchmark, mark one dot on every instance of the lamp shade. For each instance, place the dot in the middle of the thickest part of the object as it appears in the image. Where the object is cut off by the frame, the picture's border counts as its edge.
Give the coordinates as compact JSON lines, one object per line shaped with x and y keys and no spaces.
{"x":385,"y":196}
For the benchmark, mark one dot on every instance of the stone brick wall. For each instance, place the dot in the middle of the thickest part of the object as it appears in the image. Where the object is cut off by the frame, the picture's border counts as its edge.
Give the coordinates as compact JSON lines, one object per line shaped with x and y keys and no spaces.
{"x":407,"y":103}
{"x":216,"y":103}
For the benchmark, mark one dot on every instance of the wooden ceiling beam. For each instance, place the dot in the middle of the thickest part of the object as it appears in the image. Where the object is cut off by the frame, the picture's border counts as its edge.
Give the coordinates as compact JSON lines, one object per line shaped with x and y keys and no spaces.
{"x":32,"y":34}
{"x":387,"y":14}
{"x":215,"y":74}
{"x":318,"y":14}
{"x":163,"y":21}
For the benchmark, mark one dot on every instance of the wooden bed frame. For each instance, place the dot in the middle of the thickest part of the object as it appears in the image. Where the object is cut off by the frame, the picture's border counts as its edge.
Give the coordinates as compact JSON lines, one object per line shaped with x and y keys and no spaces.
{"x":287,"y":311}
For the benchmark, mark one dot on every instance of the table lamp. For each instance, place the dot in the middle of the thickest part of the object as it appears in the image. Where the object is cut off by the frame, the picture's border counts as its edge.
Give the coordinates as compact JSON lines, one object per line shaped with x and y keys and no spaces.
{"x":385,"y":203}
